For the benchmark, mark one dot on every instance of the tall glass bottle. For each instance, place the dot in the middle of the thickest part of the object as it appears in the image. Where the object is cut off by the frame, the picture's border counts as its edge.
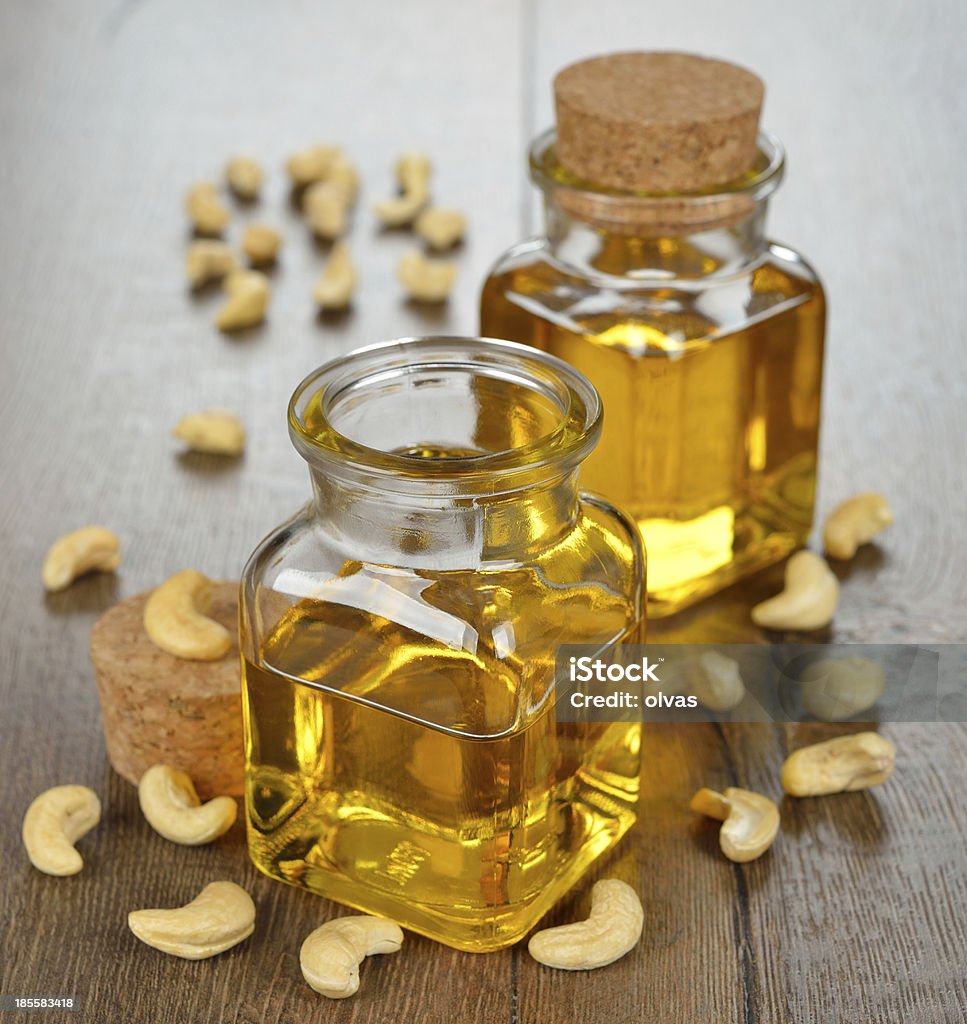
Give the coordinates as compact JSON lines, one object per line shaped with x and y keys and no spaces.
{"x":656,"y":279}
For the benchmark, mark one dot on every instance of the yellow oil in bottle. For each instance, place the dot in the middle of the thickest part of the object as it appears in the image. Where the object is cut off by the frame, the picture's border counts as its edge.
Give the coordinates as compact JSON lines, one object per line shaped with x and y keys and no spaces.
{"x":407,"y":773}
{"x":711,"y":419}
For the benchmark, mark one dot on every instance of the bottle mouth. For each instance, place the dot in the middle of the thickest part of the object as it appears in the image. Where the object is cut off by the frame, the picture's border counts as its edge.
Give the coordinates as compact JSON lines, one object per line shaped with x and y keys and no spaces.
{"x":447,"y":412}
{"x":689,"y":210}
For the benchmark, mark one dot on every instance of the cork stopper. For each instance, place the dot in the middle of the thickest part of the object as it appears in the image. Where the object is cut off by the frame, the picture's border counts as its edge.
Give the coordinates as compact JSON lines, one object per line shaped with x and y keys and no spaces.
{"x":159,"y":709}
{"x":657,"y":122}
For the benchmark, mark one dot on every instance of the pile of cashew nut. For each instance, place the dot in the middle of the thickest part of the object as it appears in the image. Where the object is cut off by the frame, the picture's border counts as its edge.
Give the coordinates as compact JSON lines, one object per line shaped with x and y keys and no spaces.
{"x":325,"y":184}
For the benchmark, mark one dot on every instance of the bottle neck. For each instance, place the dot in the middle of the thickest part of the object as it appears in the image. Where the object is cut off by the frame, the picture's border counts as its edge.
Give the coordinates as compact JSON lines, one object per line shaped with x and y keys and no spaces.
{"x":629,"y":249}
{"x":445,"y":453}
{"x":630,"y":237}
{"x":440,"y":531}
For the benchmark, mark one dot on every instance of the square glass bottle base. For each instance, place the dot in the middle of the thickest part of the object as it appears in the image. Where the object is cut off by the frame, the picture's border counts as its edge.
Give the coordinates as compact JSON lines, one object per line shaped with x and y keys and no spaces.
{"x":468,"y":841}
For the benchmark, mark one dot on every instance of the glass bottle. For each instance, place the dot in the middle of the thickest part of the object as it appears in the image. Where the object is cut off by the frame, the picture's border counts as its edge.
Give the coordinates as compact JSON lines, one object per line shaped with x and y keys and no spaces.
{"x":399,"y":637}
{"x":704,"y":338}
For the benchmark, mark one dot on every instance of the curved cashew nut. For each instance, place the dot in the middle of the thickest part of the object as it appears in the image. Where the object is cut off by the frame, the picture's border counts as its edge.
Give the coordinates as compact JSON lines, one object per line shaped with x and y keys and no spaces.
{"x":440,"y":228}
{"x":854,"y":522}
{"x":244,"y":176}
{"x":79,"y":552}
{"x":207,"y":212}
{"x":261,"y":243}
{"x":334,"y":289}
{"x":215,"y":432}
{"x":169,"y":801}
{"x":413,"y":172}
{"x":54,"y":821}
{"x":808,"y":600}
{"x":841,"y":765}
{"x":219,"y":917}
{"x":207,"y":260}
{"x":331,"y":955}
{"x":248,"y":298}
{"x":611,"y":930}
{"x":326,"y":209}
{"x":426,"y":280}
{"x":838,"y":688}
{"x":311,"y":164}
{"x":174,"y":618}
{"x":751,"y":821}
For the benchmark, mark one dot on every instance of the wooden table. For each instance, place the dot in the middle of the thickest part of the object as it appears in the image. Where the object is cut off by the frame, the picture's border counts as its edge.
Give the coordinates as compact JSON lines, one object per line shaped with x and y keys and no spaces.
{"x":108,"y":111}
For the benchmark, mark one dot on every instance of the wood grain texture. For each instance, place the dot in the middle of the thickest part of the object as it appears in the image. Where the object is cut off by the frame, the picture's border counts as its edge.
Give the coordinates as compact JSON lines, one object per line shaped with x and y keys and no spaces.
{"x":108,"y":111}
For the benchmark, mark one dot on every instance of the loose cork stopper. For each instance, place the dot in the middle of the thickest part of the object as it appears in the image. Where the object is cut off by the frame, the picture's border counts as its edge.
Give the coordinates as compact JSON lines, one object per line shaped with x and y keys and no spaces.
{"x":657,"y":122}
{"x":159,"y":709}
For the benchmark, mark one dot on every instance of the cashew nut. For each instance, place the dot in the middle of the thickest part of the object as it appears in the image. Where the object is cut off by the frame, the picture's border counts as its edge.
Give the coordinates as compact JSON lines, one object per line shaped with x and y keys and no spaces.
{"x":809,"y":599}
{"x":244,"y":176}
{"x":208,"y":213}
{"x":326,"y":209}
{"x":260,"y":243}
{"x":751,"y":821}
{"x":854,"y":522}
{"x":171,"y":805}
{"x":611,"y":930}
{"x":440,"y":228}
{"x":208,"y":260}
{"x":426,"y":280}
{"x":175,"y":620}
{"x":215,"y":432}
{"x":331,"y":955}
{"x":839,"y":688}
{"x":334,"y":289}
{"x":79,"y":552}
{"x":248,"y":299}
{"x":711,"y":677}
{"x":842,"y":765}
{"x":219,"y":917}
{"x":54,"y":821}
{"x":311,"y":164}
{"x":413,"y":172}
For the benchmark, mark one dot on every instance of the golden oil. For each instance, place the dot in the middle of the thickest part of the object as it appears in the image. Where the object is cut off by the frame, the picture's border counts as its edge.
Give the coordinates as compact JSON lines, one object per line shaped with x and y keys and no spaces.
{"x":465,"y":831}
{"x":399,"y":638}
{"x":710,"y":430}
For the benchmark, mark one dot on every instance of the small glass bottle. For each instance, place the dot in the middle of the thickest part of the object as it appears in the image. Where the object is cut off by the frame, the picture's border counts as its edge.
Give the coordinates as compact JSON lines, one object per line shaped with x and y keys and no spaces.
{"x":399,"y":638}
{"x":656,"y":279}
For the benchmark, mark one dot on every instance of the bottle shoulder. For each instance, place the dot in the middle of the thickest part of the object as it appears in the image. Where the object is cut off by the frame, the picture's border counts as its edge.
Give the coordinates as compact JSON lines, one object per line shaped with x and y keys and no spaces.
{"x":596,"y":566}
{"x":535,"y":256}
{"x":529,"y":280}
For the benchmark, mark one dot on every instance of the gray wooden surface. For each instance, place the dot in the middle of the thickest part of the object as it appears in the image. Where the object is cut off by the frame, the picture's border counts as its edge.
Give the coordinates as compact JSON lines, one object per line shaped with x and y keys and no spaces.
{"x":107,"y":112}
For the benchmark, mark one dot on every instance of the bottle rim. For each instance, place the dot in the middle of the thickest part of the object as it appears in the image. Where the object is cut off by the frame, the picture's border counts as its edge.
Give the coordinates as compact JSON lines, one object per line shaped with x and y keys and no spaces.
{"x":576,"y":402}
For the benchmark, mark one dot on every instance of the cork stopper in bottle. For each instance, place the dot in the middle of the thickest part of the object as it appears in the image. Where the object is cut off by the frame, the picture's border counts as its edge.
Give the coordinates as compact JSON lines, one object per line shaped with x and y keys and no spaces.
{"x":657,"y":122}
